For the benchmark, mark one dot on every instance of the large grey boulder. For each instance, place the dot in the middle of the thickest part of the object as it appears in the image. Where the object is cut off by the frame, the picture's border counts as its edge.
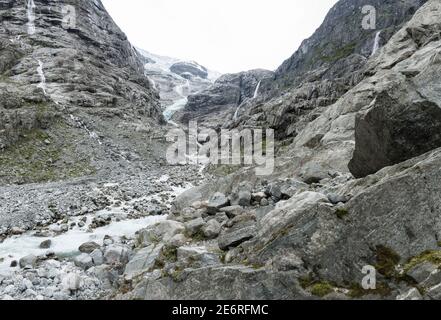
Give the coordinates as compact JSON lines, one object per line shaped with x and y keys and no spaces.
{"x":160,"y":232}
{"x":393,"y":131}
{"x":143,"y":261}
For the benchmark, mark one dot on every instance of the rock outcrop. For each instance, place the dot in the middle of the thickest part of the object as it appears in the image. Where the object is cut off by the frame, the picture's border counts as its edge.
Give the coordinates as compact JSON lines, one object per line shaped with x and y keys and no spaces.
{"x":225,"y":98}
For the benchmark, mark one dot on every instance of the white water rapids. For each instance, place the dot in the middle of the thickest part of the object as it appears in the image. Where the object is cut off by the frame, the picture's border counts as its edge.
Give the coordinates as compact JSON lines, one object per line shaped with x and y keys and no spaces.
{"x":67,"y":244}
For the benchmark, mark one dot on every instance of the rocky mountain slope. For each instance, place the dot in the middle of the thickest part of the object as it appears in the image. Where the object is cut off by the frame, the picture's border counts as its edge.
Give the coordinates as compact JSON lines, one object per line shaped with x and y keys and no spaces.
{"x":309,"y":230}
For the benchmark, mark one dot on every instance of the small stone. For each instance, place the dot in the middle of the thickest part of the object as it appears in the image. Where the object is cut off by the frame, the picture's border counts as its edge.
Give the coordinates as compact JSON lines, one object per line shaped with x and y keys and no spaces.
{"x":116,"y":254}
{"x":216,"y":202}
{"x":264,"y":202}
{"x":71,"y":282}
{"x":258,"y":196}
{"x":194,"y":226}
{"x":13,"y":264}
{"x":177,"y":241}
{"x":28,"y":284}
{"x":97,"y":257}
{"x":421,"y":272}
{"x":212,"y":229}
{"x":83,"y":261}
{"x":244,"y":198}
{"x":46,"y":244}
{"x":89,"y":247}
{"x":435,"y":292}
{"x":238,"y":234}
{"x":17,"y":231}
{"x":233,"y":211}
{"x":28,"y":261}
{"x":335,"y":198}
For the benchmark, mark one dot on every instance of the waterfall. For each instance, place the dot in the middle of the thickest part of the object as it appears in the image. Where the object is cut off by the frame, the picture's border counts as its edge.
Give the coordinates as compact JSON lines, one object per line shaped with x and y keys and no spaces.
{"x":376,"y":43}
{"x":256,"y":92}
{"x":236,"y":114}
{"x":31,"y":16}
{"x":81,"y":124}
{"x":42,"y":83}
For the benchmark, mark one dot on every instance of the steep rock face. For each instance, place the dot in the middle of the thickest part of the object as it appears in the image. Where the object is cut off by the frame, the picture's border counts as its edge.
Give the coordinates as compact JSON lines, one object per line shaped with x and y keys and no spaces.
{"x":225,"y":96}
{"x":67,"y":68}
{"x":342,"y":34}
{"x":326,"y":65}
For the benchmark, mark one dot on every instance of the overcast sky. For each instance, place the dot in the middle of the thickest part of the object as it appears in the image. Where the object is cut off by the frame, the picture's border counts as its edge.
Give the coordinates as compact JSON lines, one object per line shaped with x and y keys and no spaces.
{"x":223,"y":35}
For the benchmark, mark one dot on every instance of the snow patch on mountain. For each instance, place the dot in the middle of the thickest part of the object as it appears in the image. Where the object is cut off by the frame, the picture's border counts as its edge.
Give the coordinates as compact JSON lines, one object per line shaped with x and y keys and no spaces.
{"x":175,"y":80}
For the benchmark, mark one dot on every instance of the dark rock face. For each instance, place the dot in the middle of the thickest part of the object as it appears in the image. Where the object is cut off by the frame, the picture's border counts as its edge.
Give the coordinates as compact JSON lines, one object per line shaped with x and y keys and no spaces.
{"x":392,"y":132}
{"x":224,"y":97}
{"x":189,"y":69}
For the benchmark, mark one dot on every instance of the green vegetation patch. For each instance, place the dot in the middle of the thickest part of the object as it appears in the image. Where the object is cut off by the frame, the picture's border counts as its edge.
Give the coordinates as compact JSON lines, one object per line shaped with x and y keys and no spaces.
{"x":316,"y":287}
{"x":356,"y":291}
{"x":431,"y":256}
{"x":322,"y":289}
{"x":341,"y":213}
{"x":35,"y":158}
{"x":339,"y":53}
{"x":387,"y":260}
